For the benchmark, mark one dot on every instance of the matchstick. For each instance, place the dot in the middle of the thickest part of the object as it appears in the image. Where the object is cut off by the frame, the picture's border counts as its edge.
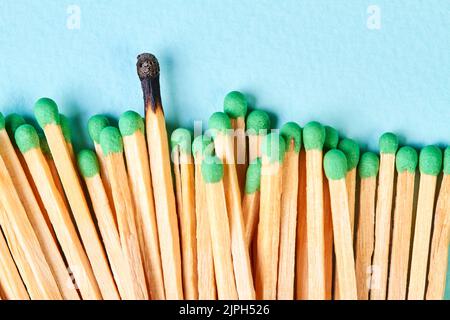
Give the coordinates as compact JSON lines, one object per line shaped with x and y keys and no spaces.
{"x":314,"y":138}
{"x":367,"y":170}
{"x":47,"y":115}
{"x":220,"y":126}
{"x":11,"y":284}
{"x":388,"y":147}
{"x":158,"y":149}
{"x":28,"y":142}
{"x":430,"y":165}
{"x":183,"y":167}
{"x":212,"y":173}
{"x":205,"y":264}
{"x":90,"y":170}
{"x":441,"y":232}
{"x":35,"y":214}
{"x":22,"y":240}
{"x":406,"y":164}
{"x":258,"y":124}
{"x":251,"y":200}
{"x":335,"y":166}
{"x":235,"y":106}
{"x":132,"y":128}
{"x":67,"y":133}
{"x":331,"y":142}
{"x":273,"y":149}
{"x":112,"y":147}
{"x":292,"y":134}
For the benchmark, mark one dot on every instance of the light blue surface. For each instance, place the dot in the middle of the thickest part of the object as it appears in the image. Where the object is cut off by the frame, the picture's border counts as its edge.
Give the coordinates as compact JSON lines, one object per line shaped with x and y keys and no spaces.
{"x":300,"y":60}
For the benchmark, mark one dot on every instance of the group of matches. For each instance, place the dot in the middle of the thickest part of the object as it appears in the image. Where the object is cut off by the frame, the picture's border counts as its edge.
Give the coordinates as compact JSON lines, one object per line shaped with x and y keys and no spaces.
{"x":240,"y":212}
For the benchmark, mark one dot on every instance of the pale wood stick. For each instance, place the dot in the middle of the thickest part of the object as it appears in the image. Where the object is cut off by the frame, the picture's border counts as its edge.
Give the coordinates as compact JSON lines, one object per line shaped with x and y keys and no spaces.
{"x":141,"y":187}
{"x":40,"y":283}
{"x":421,"y":242}
{"x":11,"y":284}
{"x":301,"y":265}
{"x":250,"y":210}
{"x":328,"y":243}
{"x":240,"y":149}
{"x":184,"y":177}
{"x":63,"y":226}
{"x":286,"y":266}
{"x":439,"y":244}
{"x":105,"y":177}
{"x":378,"y":286}
{"x":350,"y":182}
{"x":253,"y":147}
{"x":36,"y":216}
{"x":241,"y":257}
{"x":205,"y":263}
{"x":158,"y":149}
{"x":80,"y":210}
{"x":401,"y":236}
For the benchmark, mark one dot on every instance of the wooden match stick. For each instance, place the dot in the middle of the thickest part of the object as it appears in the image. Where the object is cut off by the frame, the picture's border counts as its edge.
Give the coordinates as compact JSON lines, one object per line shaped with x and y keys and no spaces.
{"x":292,"y":134}
{"x":335,"y":166}
{"x":430,"y":165}
{"x":132,"y":128}
{"x":34,"y":269}
{"x":388,"y":147}
{"x":220,"y":126}
{"x":67,"y":133}
{"x":268,"y":238}
{"x":314,"y":138}
{"x":406,"y":163}
{"x":205,"y":264}
{"x":47,"y":115}
{"x":36,"y":216}
{"x":185,"y":190}
{"x":368,"y":170}
{"x":441,"y":232}
{"x":212,"y":173}
{"x":158,"y":148}
{"x":251,"y":200}
{"x":28,"y":142}
{"x":235,"y":106}
{"x":112,"y":147}
{"x":11,"y":284}
{"x":331,"y":142}
{"x":258,"y":124}
{"x":90,"y":170}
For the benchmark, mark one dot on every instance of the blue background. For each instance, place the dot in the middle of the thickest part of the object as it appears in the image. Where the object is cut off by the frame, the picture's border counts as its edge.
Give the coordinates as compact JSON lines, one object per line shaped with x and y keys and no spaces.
{"x":300,"y":60}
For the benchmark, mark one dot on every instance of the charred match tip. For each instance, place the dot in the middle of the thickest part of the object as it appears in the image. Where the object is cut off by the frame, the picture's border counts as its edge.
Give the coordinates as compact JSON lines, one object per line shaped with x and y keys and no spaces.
{"x":147,"y":66}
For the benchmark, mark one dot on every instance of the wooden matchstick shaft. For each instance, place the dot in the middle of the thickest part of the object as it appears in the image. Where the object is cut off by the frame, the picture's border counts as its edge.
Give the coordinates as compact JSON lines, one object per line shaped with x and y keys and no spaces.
{"x":250,"y":210}
{"x":328,"y":243}
{"x":240,"y":150}
{"x":350,"y":182}
{"x":105,"y":177}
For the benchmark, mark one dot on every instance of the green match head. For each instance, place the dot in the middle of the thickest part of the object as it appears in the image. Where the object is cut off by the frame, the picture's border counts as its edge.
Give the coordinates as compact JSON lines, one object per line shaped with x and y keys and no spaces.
{"x":88,"y":163}
{"x":46,"y":112}
{"x":368,"y":165}
{"x":335,"y":164}
{"x":351,"y":150}
{"x":235,"y":105}
{"x":111,"y":141}
{"x":212,"y":169}
{"x":12,"y":122}
{"x":447,"y":160}
{"x":27,"y":138}
{"x":65,"y":128}
{"x":331,"y":138}
{"x":95,"y":125}
{"x":406,"y":159}
{"x":253,"y":179}
{"x":2,"y":121}
{"x":273,"y":147}
{"x":313,"y":136}
{"x":292,"y":131}
{"x":219,"y":122}
{"x":181,"y":138}
{"x":388,"y":143}
{"x":130,"y":122}
{"x":430,"y":160}
{"x":202,"y":145}
{"x":258,"y":122}
{"x":44,"y":144}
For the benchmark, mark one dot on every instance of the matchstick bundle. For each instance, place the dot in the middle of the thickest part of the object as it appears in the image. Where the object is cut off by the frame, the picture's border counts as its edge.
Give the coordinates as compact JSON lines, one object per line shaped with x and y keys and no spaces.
{"x":240,"y":211}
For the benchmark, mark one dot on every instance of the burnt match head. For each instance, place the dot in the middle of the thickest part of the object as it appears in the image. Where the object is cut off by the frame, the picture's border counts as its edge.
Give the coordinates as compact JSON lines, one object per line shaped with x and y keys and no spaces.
{"x":147,"y":66}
